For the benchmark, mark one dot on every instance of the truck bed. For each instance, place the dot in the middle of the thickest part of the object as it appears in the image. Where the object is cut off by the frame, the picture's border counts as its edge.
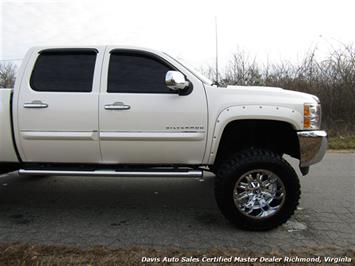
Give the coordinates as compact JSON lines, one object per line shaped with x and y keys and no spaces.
{"x":7,"y":149}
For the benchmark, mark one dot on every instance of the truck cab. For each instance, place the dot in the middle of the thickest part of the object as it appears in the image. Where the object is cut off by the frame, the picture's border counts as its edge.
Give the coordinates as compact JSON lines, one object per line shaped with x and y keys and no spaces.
{"x":107,"y":106}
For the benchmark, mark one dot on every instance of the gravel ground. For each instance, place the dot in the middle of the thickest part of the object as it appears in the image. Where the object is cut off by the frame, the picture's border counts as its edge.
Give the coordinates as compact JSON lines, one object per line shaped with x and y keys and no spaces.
{"x":175,"y":213}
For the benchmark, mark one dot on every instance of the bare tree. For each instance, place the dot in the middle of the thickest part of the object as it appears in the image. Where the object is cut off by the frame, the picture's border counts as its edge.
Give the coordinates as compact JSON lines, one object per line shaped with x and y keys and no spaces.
{"x":209,"y":72}
{"x":332,"y":79}
{"x":7,"y":75}
{"x":242,"y":70}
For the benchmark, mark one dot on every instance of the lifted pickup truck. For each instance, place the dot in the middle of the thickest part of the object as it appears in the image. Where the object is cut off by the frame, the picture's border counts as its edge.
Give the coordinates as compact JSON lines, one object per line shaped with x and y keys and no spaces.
{"x":126,"y":111}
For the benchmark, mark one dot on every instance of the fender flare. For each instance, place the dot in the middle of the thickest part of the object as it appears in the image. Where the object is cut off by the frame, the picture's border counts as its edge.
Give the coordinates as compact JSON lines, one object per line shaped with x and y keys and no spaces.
{"x":249,"y":112}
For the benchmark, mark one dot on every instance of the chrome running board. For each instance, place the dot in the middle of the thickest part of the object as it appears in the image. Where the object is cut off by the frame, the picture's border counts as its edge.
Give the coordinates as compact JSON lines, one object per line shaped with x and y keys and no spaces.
{"x":153,"y":173}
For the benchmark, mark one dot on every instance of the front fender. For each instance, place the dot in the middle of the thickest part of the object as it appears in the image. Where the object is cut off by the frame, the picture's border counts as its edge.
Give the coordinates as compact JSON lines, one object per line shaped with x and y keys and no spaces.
{"x":250,"y":112}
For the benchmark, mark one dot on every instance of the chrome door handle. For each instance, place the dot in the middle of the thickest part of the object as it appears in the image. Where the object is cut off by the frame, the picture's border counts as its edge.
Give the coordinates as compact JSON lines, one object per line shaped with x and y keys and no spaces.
{"x":117,"y":106}
{"x":35,"y":104}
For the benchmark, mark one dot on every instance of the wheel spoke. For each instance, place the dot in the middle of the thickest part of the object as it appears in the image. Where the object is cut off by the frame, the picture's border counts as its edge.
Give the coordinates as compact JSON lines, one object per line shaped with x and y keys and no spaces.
{"x":250,"y":211}
{"x":267,"y":195}
{"x":259,"y":176}
{"x":267,"y":210}
{"x":279,"y":196}
{"x":265,"y":183}
{"x":243,"y":185}
{"x":249,"y":178}
{"x":242,"y":196}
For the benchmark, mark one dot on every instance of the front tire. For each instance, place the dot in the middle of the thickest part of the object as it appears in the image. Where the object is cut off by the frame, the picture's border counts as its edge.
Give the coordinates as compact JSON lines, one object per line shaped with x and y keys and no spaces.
{"x":257,"y":190}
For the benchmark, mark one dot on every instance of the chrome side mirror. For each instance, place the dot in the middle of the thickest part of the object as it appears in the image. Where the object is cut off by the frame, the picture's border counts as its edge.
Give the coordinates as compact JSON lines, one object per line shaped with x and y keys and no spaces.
{"x":175,"y":81}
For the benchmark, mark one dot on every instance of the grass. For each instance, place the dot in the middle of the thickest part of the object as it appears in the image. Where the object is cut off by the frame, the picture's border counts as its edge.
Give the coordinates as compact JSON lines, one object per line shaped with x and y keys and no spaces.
{"x":342,"y":143}
{"x":25,"y":254}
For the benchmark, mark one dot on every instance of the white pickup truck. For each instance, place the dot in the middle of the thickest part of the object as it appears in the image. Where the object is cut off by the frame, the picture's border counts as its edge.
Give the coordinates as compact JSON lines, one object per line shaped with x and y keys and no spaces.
{"x":126,"y":111}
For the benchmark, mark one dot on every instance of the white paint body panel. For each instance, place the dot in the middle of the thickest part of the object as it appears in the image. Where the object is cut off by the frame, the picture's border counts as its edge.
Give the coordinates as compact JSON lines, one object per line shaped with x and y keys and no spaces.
{"x":277,"y":104}
{"x":7,"y":149}
{"x":48,"y":135}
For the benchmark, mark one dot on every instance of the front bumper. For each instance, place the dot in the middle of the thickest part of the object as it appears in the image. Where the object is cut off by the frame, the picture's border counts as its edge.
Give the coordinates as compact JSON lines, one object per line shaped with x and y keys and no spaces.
{"x":313,"y":145}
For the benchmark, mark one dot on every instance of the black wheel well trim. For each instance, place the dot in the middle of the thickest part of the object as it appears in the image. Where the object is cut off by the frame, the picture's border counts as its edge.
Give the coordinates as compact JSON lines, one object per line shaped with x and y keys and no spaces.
{"x":221,"y":135}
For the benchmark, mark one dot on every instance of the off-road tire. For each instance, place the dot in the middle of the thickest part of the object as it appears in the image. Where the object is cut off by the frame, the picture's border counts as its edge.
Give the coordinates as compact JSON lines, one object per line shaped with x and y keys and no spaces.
{"x":229,"y":172}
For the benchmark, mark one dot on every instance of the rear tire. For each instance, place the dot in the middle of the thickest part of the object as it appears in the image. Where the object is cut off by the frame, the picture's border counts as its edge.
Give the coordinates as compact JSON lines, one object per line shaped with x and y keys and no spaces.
{"x":257,"y":190}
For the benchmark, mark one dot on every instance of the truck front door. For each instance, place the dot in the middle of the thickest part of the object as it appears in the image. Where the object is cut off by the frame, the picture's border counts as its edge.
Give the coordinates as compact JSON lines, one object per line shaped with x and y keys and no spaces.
{"x":141,"y":121}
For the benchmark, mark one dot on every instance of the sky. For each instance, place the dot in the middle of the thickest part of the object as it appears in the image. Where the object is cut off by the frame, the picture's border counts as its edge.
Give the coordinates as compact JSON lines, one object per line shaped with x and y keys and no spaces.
{"x":271,"y":31}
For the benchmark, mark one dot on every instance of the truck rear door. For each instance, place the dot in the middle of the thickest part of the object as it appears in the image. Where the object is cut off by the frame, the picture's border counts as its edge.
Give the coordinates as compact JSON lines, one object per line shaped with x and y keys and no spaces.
{"x":57,"y":106}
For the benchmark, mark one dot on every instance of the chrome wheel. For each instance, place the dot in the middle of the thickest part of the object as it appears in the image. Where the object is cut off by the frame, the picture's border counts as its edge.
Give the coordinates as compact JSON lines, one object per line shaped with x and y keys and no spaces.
{"x":259,"y":193}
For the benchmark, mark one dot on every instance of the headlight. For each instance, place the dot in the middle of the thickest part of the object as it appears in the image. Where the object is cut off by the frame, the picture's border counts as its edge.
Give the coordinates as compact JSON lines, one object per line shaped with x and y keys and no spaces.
{"x":312,"y":116}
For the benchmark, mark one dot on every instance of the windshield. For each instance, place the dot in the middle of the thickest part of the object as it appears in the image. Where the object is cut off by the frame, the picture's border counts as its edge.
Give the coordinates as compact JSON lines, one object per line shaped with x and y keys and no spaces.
{"x":192,"y":70}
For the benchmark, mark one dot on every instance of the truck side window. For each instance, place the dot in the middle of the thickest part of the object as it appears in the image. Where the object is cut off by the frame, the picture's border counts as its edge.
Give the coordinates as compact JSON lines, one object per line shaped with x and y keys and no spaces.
{"x":136,"y":73}
{"x":64,"y":71}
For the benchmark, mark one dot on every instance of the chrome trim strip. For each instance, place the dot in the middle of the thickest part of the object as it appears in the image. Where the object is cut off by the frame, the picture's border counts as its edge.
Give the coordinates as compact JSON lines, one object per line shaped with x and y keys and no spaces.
{"x":152,"y":136}
{"x":178,"y":173}
{"x":59,"y":135}
{"x":313,"y":146}
{"x":312,"y":134}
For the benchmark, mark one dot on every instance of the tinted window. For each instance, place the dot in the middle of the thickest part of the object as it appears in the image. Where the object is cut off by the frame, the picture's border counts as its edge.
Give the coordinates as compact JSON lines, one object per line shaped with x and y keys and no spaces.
{"x":136,"y":73}
{"x":64,"y":71}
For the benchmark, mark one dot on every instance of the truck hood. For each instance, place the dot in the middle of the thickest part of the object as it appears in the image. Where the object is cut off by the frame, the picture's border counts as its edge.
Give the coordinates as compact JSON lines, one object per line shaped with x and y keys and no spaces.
{"x":269,"y":91}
